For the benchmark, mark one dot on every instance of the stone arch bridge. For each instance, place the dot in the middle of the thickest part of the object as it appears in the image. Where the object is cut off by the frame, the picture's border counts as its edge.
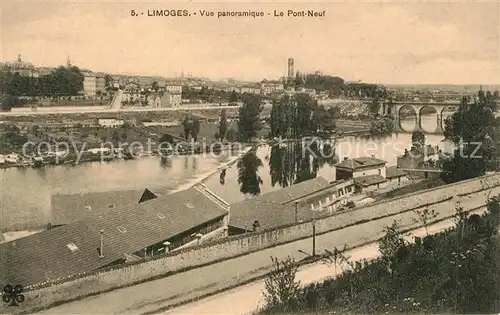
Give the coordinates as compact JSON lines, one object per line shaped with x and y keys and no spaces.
{"x":394,"y":109}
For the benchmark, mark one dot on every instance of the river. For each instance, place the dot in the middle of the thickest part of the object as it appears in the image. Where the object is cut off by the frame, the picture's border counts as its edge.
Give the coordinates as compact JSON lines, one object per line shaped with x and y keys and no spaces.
{"x":25,"y":193}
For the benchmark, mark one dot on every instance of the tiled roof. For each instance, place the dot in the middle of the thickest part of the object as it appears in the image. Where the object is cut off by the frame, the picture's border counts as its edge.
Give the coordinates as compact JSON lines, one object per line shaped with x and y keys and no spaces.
{"x":294,"y":192}
{"x":46,"y":255}
{"x":360,"y":162}
{"x":369,"y":180}
{"x":244,"y":213}
{"x":68,"y":208}
{"x":394,"y":171}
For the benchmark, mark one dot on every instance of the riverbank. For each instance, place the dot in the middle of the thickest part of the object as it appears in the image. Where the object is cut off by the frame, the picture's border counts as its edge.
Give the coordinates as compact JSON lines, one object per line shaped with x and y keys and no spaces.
{"x":16,"y":232}
{"x":205,"y":177}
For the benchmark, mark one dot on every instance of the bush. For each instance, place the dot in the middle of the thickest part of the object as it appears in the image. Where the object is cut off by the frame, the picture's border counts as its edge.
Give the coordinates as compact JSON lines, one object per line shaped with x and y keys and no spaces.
{"x":280,"y":287}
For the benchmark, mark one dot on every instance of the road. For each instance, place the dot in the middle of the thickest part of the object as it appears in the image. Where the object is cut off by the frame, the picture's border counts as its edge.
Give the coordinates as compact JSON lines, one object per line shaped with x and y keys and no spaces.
{"x":153,"y":296}
{"x":249,"y":297}
{"x":103,"y":109}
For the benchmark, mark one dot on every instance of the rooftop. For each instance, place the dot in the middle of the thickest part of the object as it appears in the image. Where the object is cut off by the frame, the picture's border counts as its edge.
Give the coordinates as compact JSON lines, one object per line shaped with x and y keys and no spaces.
{"x":369,"y":180}
{"x":360,"y":163}
{"x":68,"y":208}
{"x":394,"y":172}
{"x":294,"y":192}
{"x":244,"y":213}
{"x":72,"y":248}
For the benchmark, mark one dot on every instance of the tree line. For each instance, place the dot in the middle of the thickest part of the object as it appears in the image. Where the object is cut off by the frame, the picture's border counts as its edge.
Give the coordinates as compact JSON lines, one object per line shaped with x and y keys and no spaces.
{"x":336,"y":86}
{"x":61,"y":82}
{"x":454,"y":272}
{"x":300,"y":116}
{"x":475,"y":132}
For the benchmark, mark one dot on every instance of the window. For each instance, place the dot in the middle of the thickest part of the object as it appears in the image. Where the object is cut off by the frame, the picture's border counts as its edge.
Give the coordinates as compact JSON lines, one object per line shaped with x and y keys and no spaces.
{"x":379,"y":171}
{"x":160,"y":215}
{"x":72,"y":247}
{"x":189,"y":205}
{"x":122,"y":229}
{"x":88,"y":208}
{"x":111,"y":207}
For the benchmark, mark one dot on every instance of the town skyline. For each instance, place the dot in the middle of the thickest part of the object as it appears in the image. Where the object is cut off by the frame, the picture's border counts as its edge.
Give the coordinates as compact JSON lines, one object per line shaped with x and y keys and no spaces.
{"x":424,"y":43}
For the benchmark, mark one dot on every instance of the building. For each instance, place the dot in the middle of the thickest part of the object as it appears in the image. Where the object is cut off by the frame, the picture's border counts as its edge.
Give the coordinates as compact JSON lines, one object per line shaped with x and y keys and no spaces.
{"x":358,"y":167}
{"x":171,"y":99}
{"x":369,"y":181}
{"x":100,"y":84}
{"x":89,"y":84}
{"x":291,"y":72}
{"x":110,"y":122}
{"x":416,"y":160}
{"x":145,"y":230}
{"x":164,"y":99}
{"x":174,"y":89}
{"x":268,"y":87}
{"x":302,"y":201}
{"x":69,"y":208}
{"x":21,"y":68}
{"x":394,"y":173}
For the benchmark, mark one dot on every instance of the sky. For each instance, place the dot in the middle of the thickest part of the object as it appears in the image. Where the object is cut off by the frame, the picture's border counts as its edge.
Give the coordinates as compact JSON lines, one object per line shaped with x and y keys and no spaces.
{"x":383,"y":42}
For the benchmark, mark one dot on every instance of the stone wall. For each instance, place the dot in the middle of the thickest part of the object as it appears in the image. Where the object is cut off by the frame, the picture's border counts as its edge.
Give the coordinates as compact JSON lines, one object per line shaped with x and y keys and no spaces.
{"x":78,"y":286}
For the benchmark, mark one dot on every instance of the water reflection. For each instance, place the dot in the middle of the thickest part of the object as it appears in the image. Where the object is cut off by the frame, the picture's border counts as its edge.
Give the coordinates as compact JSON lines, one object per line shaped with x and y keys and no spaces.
{"x":165,"y":162}
{"x":299,"y":161}
{"x":248,"y":177}
{"x":194,"y":167}
{"x":186,"y":162}
{"x":223,"y":177}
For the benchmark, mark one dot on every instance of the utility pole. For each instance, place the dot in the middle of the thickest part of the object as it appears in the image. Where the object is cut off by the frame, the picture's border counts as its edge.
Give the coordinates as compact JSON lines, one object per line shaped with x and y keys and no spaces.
{"x":314,"y":237}
{"x":296,"y":211}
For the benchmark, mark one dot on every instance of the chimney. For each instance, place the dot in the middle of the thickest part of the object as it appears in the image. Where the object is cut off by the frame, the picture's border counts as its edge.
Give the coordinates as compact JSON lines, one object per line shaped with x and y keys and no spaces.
{"x":296,"y":211}
{"x":406,"y":152}
{"x":373,"y":156}
{"x":346,"y":158}
{"x":101,"y":249}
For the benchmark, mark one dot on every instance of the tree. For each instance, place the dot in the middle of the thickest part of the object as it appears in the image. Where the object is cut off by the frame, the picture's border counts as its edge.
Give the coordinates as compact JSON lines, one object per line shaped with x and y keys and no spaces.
{"x":248,"y":177}
{"x":281,"y":288}
{"x":107,"y":80}
{"x":231,"y":135}
{"x":223,"y":125}
{"x":155,"y":86}
{"x":186,"y":124}
{"x":233,"y":98}
{"x":166,"y":138}
{"x":392,"y":242}
{"x":382,"y":126}
{"x":425,"y":217}
{"x":474,"y":131}
{"x":249,"y":117}
{"x":335,"y":258}
{"x":418,"y":139}
{"x":195,"y":128}
{"x":374,"y":106}
{"x":115,"y":137}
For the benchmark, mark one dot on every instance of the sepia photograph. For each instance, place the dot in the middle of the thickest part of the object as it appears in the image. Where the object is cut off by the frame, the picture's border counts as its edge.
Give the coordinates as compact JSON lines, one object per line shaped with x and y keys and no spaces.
{"x":249,"y":158}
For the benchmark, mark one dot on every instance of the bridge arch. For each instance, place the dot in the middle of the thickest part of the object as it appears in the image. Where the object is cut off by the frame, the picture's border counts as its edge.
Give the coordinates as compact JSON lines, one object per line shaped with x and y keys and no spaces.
{"x":405,"y":111}
{"x":429,"y":118}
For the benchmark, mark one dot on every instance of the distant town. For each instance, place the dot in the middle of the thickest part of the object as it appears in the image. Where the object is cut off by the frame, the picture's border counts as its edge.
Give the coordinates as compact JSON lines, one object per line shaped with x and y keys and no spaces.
{"x":137,"y":179}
